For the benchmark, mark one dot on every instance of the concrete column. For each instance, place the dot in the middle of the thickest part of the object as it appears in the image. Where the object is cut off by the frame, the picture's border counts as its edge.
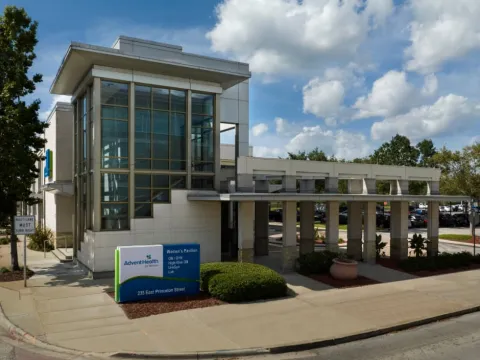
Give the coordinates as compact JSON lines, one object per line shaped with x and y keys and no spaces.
{"x":399,"y":230}
{"x":97,"y":148}
{"x":369,"y":186}
{"x":433,"y":188}
{"x":188,"y":137}
{"x":307,"y":218}
{"x":246,"y":216}
{"x":354,"y":229}
{"x":331,"y":185}
{"x":216,"y":142}
{"x":261,"y":220}
{"x":355,"y":186}
{"x":331,"y":239}
{"x":432,"y":228}
{"x":370,"y":231}
{"x":399,"y":187}
{"x":289,"y":237}
{"x":289,"y":184}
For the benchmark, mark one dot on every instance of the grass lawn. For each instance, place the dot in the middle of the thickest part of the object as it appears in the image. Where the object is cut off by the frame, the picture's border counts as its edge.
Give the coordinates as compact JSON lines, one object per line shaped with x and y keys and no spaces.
{"x":455,"y":237}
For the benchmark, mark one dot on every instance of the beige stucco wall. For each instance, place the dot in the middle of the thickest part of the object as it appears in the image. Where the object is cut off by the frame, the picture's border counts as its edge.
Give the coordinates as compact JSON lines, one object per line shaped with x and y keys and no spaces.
{"x":181,"y":221}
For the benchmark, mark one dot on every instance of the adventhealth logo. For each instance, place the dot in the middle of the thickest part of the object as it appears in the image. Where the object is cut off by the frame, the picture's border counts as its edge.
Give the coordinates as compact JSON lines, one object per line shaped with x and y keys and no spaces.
{"x":147,"y":261}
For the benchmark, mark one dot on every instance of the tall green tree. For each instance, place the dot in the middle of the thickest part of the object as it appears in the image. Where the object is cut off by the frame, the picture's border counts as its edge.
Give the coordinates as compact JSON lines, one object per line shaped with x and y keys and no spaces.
{"x":460,"y":171}
{"x":20,"y":127}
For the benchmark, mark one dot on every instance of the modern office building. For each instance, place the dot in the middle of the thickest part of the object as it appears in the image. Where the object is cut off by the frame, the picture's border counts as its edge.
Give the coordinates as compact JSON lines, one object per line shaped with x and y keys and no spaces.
{"x":148,"y":170}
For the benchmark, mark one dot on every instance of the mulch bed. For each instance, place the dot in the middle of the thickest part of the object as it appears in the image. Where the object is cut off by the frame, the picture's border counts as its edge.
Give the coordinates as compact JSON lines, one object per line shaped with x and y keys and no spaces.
{"x":329,"y":280}
{"x":14,"y":275}
{"x":135,"y":310}
{"x":392,"y":264}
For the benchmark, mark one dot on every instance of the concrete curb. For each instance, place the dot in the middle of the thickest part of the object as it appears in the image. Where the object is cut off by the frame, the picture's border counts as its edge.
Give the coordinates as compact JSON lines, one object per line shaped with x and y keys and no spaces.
{"x":460,"y":243}
{"x":18,"y":334}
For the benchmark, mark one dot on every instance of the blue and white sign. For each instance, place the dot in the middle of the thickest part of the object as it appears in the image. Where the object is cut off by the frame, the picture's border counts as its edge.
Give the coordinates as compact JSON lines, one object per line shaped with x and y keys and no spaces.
{"x":153,"y":271}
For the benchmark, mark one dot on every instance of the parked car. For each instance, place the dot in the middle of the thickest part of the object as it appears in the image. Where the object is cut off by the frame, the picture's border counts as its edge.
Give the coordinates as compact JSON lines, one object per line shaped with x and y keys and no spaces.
{"x":276,"y":215}
{"x":418,"y":220}
{"x":320,"y":216}
{"x":461,"y":220}
{"x":343,"y":218}
{"x":445,"y":220}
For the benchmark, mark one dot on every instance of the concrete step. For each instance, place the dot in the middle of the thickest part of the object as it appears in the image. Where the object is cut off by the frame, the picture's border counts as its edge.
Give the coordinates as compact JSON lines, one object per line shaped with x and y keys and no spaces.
{"x":60,"y":255}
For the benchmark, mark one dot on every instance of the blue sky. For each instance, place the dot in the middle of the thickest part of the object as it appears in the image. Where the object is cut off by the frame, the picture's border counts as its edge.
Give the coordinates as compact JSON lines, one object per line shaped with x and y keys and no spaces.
{"x":342,"y":76}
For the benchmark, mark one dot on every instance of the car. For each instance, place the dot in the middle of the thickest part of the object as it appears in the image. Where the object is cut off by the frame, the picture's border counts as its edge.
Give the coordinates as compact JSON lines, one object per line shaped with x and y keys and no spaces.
{"x":276,"y":215}
{"x":461,"y":220}
{"x":417,"y":220}
{"x":446,"y":220}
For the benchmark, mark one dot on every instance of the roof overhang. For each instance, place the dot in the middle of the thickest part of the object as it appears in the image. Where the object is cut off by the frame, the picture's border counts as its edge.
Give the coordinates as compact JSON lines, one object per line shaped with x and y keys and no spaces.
{"x":80,"y":58}
{"x":59,"y":188}
{"x":319,"y":197}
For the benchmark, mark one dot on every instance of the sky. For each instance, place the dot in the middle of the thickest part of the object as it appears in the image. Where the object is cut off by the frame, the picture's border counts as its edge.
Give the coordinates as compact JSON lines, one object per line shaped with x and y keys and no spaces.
{"x":341,"y":75}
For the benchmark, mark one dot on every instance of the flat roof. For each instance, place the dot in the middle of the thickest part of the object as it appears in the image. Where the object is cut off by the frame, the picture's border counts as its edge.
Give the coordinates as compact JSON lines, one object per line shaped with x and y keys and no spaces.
{"x":80,"y":58}
{"x":202,"y":196}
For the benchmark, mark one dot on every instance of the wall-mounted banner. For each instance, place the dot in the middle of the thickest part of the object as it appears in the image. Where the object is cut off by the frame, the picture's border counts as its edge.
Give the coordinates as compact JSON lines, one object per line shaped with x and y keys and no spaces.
{"x":153,"y":271}
{"x":48,"y":169}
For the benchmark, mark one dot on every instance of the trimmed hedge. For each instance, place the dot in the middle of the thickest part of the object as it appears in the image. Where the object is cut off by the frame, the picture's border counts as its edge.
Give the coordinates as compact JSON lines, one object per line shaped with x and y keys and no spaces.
{"x":316,"y":262}
{"x":440,"y":262}
{"x":238,"y":282}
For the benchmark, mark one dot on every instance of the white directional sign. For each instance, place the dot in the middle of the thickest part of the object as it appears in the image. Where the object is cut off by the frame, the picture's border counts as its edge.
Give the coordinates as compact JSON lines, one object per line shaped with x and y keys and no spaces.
{"x":24,"y":225}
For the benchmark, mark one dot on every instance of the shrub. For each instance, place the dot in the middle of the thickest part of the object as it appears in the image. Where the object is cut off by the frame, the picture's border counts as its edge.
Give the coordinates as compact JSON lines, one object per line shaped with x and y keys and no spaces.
{"x":418,"y":244}
{"x":238,"y":282}
{"x":4,"y":270}
{"x":440,"y":262}
{"x":379,"y":246}
{"x":6,"y":240}
{"x":42,"y":235}
{"x":316,"y":262}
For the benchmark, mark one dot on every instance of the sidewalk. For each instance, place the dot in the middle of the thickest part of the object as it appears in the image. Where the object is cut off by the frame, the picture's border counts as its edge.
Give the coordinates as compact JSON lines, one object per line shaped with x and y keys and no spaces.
{"x":76,"y":313}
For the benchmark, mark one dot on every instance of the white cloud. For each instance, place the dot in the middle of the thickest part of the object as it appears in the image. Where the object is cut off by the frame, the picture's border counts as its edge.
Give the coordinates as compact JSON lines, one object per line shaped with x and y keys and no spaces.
{"x":390,"y":95}
{"x":281,"y":125}
{"x":259,"y":129}
{"x":447,"y":115}
{"x":430,"y":85}
{"x":323,"y":98}
{"x":286,"y":36}
{"x":55,"y":98}
{"x":266,"y":152}
{"x":442,"y":30}
{"x":340,"y":143}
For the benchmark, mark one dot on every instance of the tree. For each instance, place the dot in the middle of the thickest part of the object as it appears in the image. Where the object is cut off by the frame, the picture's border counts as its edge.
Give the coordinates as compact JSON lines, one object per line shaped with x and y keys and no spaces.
{"x":397,"y":152}
{"x":20,"y":127}
{"x":427,"y":150}
{"x":460,"y":171}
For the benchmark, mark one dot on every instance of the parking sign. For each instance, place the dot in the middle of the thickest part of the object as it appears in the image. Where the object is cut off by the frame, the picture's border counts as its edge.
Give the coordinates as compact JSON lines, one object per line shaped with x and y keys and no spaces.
{"x":24,"y":225}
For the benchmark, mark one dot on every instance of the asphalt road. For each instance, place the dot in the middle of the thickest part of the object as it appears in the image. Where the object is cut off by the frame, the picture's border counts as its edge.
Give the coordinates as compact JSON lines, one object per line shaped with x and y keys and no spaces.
{"x":453,"y":339}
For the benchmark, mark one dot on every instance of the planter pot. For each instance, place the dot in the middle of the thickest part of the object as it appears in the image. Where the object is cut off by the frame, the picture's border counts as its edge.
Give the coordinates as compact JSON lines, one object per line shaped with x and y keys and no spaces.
{"x":344,"y":269}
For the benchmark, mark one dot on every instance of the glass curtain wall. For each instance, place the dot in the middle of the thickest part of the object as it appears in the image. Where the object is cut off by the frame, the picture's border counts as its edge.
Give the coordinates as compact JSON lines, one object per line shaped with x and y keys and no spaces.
{"x":114,"y":156}
{"x":202,"y":141}
{"x":160,"y":146}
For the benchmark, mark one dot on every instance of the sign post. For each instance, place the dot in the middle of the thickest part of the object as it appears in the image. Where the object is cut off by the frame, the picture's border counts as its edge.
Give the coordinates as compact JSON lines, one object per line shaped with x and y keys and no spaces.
{"x":154,"y":271}
{"x":24,"y":225}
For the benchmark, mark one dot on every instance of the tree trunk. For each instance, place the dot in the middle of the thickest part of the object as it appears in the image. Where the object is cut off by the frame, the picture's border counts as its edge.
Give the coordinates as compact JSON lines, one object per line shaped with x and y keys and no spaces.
{"x":13,"y":241}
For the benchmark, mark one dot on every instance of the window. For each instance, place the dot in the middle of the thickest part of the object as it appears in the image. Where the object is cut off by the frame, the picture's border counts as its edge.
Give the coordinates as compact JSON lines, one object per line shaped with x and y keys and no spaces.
{"x":202,"y":132}
{"x":114,"y":201}
{"x":84,"y":132}
{"x":202,"y":182}
{"x":160,"y":118}
{"x":114,"y":129}
{"x":91,"y":127}
{"x":150,"y":189}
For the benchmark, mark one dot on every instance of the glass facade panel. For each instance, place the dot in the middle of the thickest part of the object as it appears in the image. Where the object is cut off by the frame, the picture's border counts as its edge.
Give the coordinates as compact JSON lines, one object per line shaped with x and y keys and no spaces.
{"x":114,"y":125}
{"x":161,"y":99}
{"x":202,"y":135}
{"x":202,"y":182}
{"x":160,"y":136}
{"x":202,"y":104}
{"x":150,"y":189}
{"x":178,"y":182}
{"x":143,"y":97}
{"x":114,"y":93}
{"x":114,"y":201}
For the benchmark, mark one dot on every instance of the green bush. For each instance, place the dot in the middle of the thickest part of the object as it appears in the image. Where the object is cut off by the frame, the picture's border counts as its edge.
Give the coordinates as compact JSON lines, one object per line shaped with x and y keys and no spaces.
{"x":316,"y":262}
{"x":42,"y":235}
{"x":440,"y":262}
{"x":238,"y":282}
{"x":6,"y":240}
